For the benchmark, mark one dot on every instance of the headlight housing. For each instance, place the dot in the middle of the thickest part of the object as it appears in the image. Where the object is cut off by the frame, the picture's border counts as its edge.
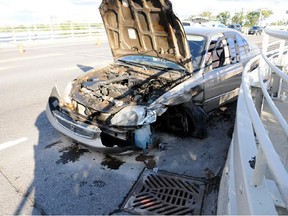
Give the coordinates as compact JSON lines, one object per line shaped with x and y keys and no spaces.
{"x":66,"y":93}
{"x":134,"y":116}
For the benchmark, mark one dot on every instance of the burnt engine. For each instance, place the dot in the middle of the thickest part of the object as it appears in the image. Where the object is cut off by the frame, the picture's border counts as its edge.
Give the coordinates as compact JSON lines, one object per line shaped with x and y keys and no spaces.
{"x":110,"y":89}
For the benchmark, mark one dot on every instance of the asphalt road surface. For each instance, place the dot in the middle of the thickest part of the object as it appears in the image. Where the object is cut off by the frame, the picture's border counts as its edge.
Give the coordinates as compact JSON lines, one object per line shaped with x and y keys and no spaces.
{"x":43,"y":172}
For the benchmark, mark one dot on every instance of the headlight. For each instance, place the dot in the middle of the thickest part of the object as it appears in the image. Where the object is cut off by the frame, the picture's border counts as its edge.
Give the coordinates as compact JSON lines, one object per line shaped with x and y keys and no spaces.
{"x":134,"y":116}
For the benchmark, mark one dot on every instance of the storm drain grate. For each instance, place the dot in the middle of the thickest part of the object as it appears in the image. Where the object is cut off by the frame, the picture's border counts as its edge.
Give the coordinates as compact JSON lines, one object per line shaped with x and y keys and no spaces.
{"x":166,"y":194}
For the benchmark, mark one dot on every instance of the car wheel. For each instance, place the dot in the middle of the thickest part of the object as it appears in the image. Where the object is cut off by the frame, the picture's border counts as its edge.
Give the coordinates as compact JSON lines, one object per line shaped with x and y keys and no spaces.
{"x":185,"y":120}
{"x":197,"y":120}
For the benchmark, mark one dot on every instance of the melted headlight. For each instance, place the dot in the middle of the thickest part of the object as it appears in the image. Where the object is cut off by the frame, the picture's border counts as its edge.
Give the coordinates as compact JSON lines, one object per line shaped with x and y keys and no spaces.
{"x":134,"y":116}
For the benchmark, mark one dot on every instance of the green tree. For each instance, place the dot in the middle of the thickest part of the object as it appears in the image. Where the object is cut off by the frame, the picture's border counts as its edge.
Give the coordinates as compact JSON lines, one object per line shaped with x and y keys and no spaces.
{"x":238,"y":18}
{"x":266,"y":13}
{"x":252,"y":18}
{"x":223,"y":17}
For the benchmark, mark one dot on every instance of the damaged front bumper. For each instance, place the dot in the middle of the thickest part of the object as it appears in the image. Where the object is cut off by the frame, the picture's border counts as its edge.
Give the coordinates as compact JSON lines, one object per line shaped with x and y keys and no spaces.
{"x":90,"y":135}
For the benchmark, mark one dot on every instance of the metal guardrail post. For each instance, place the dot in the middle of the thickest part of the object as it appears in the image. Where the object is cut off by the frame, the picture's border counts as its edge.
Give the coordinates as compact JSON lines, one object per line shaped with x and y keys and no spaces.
{"x":257,"y":96}
{"x":260,"y":168}
{"x":276,"y":83}
{"x":276,"y":80}
{"x":281,"y":52}
{"x":280,"y":83}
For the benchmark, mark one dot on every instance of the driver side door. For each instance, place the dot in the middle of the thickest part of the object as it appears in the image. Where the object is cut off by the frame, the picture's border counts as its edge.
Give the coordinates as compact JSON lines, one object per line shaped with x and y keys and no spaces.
{"x":223,"y":71}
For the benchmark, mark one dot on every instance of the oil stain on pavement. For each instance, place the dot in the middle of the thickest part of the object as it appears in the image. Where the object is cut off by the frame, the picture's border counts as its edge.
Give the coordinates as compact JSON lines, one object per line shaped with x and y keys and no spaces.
{"x":149,"y":161}
{"x":71,"y":154}
{"x":112,"y":162}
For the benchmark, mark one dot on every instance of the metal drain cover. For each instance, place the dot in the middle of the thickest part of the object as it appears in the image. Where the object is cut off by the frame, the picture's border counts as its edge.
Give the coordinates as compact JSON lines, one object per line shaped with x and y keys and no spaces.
{"x":167,"y":194}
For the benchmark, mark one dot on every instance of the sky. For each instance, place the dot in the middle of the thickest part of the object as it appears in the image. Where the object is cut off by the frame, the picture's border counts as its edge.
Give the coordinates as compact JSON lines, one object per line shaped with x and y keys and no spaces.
{"x":46,"y":11}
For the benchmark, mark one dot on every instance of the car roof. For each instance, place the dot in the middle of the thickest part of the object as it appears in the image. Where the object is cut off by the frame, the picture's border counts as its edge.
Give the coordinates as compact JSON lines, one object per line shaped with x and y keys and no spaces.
{"x":206,"y":31}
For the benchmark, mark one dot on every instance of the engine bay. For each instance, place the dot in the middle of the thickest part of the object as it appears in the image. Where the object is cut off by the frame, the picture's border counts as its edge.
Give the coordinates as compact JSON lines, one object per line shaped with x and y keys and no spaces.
{"x":110,"y":89}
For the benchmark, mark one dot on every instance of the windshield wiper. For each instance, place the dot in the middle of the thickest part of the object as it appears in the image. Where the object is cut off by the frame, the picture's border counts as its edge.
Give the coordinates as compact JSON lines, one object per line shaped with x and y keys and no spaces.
{"x":133,"y":63}
{"x":165,"y":68}
{"x":157,"y":67}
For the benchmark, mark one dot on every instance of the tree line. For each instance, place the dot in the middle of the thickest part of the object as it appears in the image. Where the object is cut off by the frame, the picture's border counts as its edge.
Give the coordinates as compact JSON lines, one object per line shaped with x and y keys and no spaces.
{"x":248,"y":19}
{"x":68,"y":25}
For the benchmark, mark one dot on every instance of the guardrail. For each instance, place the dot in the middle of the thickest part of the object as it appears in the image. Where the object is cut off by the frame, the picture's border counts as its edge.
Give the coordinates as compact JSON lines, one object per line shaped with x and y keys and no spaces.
{"x":252,"y":153}
{"x":55,"y":31}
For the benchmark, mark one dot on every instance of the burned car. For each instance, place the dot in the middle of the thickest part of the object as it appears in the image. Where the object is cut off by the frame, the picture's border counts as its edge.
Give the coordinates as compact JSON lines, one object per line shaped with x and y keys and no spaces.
{"x":161,"y":73}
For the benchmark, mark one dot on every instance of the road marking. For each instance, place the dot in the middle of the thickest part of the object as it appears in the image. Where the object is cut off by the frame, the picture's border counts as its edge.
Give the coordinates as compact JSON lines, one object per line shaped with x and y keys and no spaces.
{"x":32,"y":57}
{"x":12,"y":143}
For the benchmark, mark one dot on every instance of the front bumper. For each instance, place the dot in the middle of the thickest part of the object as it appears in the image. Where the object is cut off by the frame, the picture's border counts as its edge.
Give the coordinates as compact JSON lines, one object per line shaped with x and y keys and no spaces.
{"x":88,"y":135}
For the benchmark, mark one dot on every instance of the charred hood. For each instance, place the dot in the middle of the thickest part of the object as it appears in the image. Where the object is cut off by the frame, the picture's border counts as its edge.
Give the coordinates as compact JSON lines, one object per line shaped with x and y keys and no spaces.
{"x":145,"y":27}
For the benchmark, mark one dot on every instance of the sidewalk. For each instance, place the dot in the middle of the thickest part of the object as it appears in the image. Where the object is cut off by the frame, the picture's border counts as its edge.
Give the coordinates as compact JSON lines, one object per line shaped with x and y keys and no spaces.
{"x":275,"y":131}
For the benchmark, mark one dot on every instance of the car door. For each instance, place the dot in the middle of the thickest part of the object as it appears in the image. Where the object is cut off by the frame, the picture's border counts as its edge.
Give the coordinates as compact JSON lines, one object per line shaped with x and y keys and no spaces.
{"x":223,"y":70}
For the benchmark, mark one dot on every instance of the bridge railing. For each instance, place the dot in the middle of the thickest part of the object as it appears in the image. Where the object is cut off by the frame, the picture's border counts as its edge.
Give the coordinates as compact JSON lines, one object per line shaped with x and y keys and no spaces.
{"x":252,"y":153}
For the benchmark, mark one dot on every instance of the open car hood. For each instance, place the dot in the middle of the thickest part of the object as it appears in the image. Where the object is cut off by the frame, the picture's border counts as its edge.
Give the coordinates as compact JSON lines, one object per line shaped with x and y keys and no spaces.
{"x":145,"y":27}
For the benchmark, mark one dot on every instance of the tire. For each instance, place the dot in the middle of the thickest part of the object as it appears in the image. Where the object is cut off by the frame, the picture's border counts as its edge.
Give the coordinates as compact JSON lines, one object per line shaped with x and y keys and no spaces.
{"x":185,"y":119}
{"x":197,"y":120}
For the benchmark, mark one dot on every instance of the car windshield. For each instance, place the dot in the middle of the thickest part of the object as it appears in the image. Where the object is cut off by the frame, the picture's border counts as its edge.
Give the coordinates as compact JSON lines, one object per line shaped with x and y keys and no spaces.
{"x":255,"y":27}
{"x":197,"y":45}
{"x":151,"y":61}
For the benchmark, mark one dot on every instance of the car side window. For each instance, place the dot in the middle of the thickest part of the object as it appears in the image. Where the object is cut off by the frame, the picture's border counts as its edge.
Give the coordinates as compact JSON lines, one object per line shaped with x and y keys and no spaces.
{"x":233,"y":51}
{"x":218,"y":54}
{"x":242,"y":44}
